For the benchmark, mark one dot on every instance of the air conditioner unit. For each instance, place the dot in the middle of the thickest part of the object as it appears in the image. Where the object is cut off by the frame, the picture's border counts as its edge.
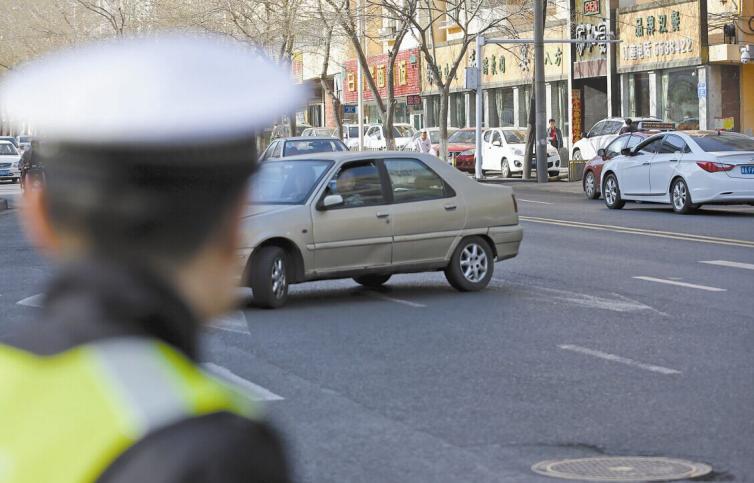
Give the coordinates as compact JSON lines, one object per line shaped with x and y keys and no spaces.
{"x":387,"y":31}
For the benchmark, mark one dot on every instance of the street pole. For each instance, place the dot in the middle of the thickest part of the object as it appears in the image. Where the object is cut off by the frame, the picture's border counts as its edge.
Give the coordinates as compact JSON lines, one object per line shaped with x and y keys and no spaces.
{"x":539,"y":92}
{"x":479,"y":94}
{"x":360,"y":80}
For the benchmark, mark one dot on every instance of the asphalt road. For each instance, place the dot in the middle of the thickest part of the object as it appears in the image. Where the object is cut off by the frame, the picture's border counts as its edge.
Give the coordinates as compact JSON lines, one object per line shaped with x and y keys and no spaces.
{"x":607,"y":335}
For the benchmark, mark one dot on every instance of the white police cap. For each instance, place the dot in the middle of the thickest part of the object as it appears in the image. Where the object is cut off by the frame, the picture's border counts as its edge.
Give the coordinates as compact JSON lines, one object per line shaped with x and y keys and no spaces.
{"x":159,"y":90}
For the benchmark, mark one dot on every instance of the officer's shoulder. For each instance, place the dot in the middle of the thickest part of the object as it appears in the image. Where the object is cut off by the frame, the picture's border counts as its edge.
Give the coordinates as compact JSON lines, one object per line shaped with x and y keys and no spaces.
{"x":219,"y":446}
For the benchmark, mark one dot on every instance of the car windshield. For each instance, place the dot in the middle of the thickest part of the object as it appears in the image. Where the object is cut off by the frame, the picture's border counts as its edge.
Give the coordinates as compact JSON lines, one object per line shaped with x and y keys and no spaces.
{"x":353,"y":132}
{"x":463,"y":137}
{"x":402,"y":132}
{"x":24,"y":139}
{"x":286,"y":182}
{"x":293,"y":148}
{"x":7,"y":149}
{"x":724,"y":142}
{"x":514,"y":137}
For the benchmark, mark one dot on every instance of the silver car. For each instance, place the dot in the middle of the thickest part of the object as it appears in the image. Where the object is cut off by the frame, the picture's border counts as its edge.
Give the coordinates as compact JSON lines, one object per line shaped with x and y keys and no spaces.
{"x":368,"y":216}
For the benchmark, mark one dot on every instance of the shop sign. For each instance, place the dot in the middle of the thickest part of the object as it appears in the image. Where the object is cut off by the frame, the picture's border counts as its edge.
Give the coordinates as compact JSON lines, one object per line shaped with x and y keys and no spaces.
{"x":590,"y":55}
{"x":592,"y":34}
{"x":445,"y":56}
{"x":659,"y":37}
{"x":405,"y":75}
{"x":414,"y":100}
{"x":349,"y":109}
{"x":576,"y":124}
{"x":592,"y":7}
{"x":701,"y":90}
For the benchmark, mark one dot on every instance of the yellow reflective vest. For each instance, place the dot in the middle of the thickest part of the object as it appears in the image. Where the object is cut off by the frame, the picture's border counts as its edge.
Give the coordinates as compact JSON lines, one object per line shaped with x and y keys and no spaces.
{"x":67,"y":417}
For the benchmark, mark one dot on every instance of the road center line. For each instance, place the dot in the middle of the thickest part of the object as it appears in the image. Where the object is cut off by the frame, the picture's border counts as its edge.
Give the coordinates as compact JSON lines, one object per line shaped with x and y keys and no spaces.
{"x":255,"y":391}
{"x":641,"y":231}
{"x":397,"y":301}
{"x":622,"y":360}
{"x":681,"y":284}
{"x":535,"y":201}
{"x":725,"y":263}
{"x":33,"y":301}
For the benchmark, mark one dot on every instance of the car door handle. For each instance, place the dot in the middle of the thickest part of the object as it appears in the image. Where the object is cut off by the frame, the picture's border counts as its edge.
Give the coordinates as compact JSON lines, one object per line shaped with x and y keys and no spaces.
{"x":645,"y":163}
{"x":673,"y":160}
{"x":450,"y":207}
{"x":382,"y":215}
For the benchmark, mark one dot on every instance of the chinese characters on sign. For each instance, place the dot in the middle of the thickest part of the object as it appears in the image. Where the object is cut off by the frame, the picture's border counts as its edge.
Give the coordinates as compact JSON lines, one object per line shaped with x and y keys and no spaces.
{"x":652,"y":25}
{"x":592,"y":34}
{"x":592,"y":7}
{"x":664,"y":48}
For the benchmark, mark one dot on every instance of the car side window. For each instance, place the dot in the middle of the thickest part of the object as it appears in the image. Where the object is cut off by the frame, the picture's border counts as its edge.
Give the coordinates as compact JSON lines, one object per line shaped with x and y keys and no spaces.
{"x":633,"y":141}
{"x":411,"y":180}
{"x":359,"y":185}
{"x":613,"y":127}
{"x":674,"y":144}
{"x":597,"y":129}
{"x":487,"y":136}
{"x":277,"y":151}
{"x":650,"y":146}
{"x":614,"y":148}
{"x":496,"y":137}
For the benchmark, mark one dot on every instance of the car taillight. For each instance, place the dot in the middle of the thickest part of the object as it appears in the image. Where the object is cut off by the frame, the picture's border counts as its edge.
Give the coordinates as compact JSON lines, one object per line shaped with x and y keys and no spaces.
{"x":712,"y":167}
{"x":515,"y":203}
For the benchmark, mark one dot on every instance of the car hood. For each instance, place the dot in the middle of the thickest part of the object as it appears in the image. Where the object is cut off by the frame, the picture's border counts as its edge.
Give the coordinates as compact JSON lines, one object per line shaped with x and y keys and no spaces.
{"x":459,"y":147}
{"x":259,"y":210}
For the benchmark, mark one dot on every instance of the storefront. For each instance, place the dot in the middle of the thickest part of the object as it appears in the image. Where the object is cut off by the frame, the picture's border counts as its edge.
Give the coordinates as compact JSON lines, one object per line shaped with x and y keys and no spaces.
{"x":460,"y":101}
{"x":662,"y":63}
{"x":407,"y":83}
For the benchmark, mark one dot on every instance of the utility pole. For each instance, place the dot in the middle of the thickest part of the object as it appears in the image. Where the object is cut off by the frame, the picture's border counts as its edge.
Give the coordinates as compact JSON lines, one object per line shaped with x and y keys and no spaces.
{"x":360,"y":75}
{"x":539,"y":91}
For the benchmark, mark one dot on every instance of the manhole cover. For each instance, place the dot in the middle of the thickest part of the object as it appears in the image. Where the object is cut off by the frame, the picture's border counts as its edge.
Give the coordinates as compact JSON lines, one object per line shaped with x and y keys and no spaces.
{"x":622,"y":469}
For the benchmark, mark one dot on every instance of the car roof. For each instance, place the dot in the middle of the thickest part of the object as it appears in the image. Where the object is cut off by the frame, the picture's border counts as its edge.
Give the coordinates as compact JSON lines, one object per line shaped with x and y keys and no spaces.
{"x":3,"y":141}
{"x":345,"y":156}
{"x":308,"y":138}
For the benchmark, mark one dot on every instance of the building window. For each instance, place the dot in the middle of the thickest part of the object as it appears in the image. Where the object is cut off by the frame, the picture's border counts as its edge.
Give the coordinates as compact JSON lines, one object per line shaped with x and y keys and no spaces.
{"x":680,"y":98}
{"x":381,"y":76}
{"x":351,"y":82}
{"x":638,"y":100}
{"x":504,"y":106}
{"x":524,"y":96}
{"x":402,"y":73}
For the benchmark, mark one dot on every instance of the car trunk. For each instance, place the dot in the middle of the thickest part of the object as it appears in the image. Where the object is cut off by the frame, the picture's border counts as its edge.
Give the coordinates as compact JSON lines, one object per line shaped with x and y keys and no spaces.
{"x":738,"y":158}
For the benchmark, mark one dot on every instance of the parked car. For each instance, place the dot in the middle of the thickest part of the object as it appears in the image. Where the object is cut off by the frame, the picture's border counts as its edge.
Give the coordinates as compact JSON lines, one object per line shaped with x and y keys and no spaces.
{"x":604,"y":131}
{"x":368,"y":216}
{"x":503,"y":150}
{"x":11,"y":140}
{"x":280,"y":148}
{"x":591,"y":180}
{"x":375,"y":136}
{"x":23,"y":142}
{"x":351,"y":135}
{"x":284,"y":130}
{"x":685,"y":169}
{"x":320,"y":132}
{"x":9,"y":158}
{"x":461,"y":149}
{"x":434,"y":138}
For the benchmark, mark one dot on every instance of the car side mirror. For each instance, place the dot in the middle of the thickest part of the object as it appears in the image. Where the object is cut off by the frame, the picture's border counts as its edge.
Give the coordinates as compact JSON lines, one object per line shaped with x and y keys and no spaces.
{"x":626,"y":152}
{"x":497,"y":143}
{"x":601,"y":153}
{"x":332,"y":201}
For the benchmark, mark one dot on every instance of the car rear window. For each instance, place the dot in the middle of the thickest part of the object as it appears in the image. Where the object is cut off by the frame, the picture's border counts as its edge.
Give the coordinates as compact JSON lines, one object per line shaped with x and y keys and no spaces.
{"x":724,"y":142}
{"x":293,"y":148}
{"x":463,"y":137}
{"x":7,"y":149}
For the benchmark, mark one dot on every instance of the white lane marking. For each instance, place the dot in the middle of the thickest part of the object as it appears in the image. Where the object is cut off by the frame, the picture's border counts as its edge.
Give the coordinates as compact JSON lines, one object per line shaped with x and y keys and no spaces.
{"x":641,"y":231}
{"x":681,"y":284}
{"x":535,"y":201}
{"x":33,"y":301}
{"x":256,"y":392}
{"x":619,"y":359}
{"x":232,"y":322}
{"x":725,"y":263}
{"x":397,"y":301}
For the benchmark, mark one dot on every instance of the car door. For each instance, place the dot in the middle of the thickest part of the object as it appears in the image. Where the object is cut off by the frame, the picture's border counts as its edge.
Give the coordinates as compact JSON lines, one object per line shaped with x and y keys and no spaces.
{"x":427,"y":215}
{"x":633,"y":176}
{"x":664,"y":164}
{"x":593,"y":139}
{"x":486,"y":146}
{"x":356,"y":234}
{"x":495,"y":155}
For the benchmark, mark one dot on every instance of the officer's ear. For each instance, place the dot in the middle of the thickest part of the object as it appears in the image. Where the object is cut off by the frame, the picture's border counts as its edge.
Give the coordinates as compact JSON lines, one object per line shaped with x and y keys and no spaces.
{"x":37,"y":223}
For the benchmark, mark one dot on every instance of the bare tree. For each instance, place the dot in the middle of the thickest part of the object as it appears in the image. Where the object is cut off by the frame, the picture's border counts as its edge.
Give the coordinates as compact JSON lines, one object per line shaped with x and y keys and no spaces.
{"x":330,"y":27}
{"x":471,"y":17}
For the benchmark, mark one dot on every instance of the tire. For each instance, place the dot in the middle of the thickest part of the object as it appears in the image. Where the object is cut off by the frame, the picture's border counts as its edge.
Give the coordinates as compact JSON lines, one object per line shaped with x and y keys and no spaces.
{"x":372,"y":281}
{"x":553,"y":174}
{"x":680,"y":197}
{"x":590,"y":186}
{"x":505,"y":169}
{"x":577,"y":155}
{"x":15,"y":180}
{"x":269,"y":277}
{"x":611,"y":193}
{"x":472,"y":256}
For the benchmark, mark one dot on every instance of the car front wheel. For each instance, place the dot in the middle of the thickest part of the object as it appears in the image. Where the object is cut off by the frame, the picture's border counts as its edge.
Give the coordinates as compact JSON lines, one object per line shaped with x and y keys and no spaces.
{"x":269,"y":277}
{"x":611,"y":193}
{"x":590,"y":186}
{"x":681,"y":198}
{"x":471,"y":265}
{"x":577,"y":155}
{"x":372,"y":281}
{"x":505,"y":169}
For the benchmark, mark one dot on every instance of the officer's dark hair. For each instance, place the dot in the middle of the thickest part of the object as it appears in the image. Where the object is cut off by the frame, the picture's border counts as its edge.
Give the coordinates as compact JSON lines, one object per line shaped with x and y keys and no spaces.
{"x":146,"y":204}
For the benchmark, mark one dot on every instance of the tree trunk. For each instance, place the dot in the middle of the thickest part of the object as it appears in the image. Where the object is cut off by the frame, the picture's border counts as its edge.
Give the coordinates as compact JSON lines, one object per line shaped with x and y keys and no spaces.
{"x":444,"y":96}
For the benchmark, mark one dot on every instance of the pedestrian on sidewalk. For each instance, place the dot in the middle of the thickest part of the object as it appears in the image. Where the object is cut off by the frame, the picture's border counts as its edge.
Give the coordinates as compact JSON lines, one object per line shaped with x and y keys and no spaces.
{"x":423,"y":143}
{"x":554,"y":136}
{"x":108,"y":387}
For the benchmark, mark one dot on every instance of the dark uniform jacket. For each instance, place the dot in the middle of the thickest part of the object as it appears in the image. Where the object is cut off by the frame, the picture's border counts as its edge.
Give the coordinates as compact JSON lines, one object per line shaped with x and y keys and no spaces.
{"x":92,"y":301}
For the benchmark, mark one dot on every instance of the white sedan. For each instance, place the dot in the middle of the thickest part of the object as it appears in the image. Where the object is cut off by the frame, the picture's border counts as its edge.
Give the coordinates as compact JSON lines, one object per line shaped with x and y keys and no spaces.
{"x":375,"y":136}
{"x":503,"y":150}
{"x":9,"y":159}
{"x":685,"y":169}
{"x":606,"y":130}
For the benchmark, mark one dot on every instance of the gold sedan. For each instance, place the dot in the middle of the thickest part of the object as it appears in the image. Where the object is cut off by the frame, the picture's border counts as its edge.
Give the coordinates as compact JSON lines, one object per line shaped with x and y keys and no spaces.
{"x":368,"y":216}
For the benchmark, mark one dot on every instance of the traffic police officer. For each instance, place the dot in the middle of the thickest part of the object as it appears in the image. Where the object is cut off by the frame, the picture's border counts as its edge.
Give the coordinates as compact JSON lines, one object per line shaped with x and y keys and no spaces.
{"x":148,"y":144}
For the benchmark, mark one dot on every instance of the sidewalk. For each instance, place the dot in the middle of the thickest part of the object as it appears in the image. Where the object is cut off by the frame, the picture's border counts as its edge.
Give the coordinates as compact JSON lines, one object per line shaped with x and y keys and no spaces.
{"x":559,"y":185}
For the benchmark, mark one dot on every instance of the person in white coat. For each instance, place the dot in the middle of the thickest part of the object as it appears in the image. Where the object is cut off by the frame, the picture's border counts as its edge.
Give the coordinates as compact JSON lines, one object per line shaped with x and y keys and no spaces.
{"x":423,"y":144}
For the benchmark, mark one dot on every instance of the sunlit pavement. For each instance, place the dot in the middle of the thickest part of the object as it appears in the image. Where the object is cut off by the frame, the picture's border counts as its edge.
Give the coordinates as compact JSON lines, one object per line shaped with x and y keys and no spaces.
{"x":613,"y":332}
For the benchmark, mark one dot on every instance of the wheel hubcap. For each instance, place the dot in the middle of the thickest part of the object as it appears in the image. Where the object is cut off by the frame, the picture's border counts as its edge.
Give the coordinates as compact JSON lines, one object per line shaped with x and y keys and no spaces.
{"x":278,"y":278}
{"x":589,"y":184}
{"x":577,"y":155}
{"x":611,"y":191}
{"x":505,"y":168}
{"x":474,"y":263}
{"x":679,"y":196}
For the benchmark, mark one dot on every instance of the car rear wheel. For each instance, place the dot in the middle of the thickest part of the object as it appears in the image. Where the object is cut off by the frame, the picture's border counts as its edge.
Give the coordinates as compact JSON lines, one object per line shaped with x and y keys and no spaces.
{"x":471,"y":265}
{"x":577,"y":155}
{"x":611,"y":193}
{"x":681,"y":198}
{"x":372,"y":281}
{"x":505,"y":169}
{"x":269,"y":277}
{"x":590,"y":186}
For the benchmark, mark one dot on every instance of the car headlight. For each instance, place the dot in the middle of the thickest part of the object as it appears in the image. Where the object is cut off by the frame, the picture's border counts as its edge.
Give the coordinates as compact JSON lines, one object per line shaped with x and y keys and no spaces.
{"x":468,"y":152}
{"x":15,"y":165}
